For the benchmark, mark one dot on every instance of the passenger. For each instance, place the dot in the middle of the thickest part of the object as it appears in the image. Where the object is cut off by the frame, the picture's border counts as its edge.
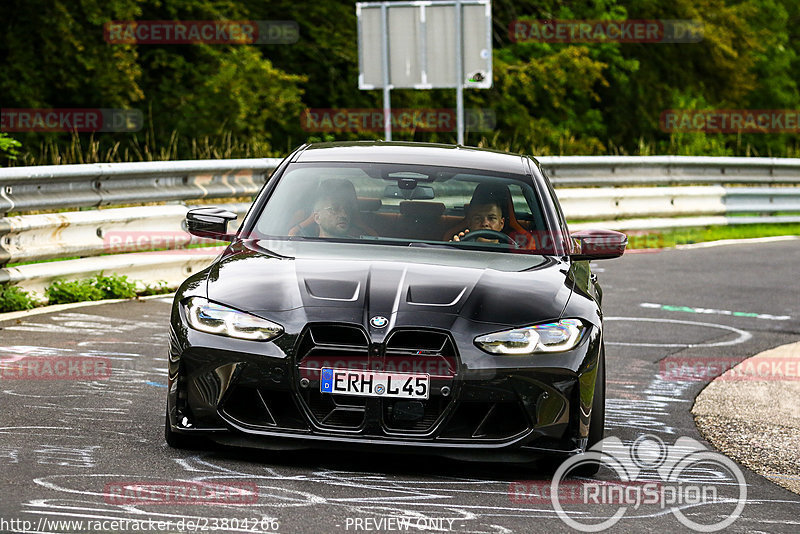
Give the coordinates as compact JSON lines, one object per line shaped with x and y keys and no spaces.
{"x":334,"y":213}
{"x":335,"y":209}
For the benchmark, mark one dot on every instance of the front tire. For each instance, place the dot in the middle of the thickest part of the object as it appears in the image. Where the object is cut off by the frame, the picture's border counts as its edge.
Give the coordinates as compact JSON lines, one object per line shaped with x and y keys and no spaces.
{"x":173,"y":439}
{"x":597,"y":422}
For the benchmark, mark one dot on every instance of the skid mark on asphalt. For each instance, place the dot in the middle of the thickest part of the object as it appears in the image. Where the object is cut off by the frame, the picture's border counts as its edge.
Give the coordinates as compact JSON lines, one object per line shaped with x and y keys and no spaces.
{"x":66,"y":456}
{"x":648,"y":409}
{"x":472,"y":504}
{"x":476,"y":504}
{"x":84,"y":324}
{"x":131,"y":364}
{"x":9,"y":455}
{"x":742,"y":335}
{"x":648,"y":413}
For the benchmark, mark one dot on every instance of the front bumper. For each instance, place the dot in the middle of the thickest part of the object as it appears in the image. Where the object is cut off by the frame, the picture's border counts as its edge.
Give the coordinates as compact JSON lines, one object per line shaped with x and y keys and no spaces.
{"x":481,"y":406}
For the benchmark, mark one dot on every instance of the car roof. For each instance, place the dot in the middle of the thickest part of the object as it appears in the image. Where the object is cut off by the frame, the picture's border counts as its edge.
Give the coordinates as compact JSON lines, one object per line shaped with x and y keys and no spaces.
{"x":413,"y":153}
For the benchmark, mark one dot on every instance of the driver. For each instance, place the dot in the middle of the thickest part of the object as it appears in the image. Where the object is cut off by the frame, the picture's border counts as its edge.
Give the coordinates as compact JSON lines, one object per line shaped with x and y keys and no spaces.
{"x":485,"y":212}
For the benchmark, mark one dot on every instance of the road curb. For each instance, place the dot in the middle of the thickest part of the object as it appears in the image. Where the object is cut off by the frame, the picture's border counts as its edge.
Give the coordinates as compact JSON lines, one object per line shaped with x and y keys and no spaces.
{"x":745,"y":241}
{"x":756,"y":422}
{"x":10,"y":316}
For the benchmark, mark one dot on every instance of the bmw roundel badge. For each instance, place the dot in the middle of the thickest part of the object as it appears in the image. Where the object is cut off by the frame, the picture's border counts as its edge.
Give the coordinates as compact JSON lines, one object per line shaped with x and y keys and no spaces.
{"x":379,"y":321}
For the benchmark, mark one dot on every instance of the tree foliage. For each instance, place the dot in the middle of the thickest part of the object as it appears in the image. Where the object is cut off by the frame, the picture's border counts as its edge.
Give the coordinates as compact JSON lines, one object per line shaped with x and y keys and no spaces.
{"x":215,"y":100}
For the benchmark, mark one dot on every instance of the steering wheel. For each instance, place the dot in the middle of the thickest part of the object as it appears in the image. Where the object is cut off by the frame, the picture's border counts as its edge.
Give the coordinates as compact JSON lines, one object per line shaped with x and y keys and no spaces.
{"x":489,"y":234}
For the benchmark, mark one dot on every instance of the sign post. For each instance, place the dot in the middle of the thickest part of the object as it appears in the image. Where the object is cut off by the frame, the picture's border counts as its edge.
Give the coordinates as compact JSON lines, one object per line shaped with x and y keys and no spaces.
{"x":424,"y":45}
{"x":387,"y":97}
{"x":459,"y":75}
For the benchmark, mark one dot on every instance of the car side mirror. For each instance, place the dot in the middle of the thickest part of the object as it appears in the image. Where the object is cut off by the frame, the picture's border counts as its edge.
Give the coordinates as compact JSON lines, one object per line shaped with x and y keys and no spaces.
{"x":597,"y":244}
{"x":210,"y":222}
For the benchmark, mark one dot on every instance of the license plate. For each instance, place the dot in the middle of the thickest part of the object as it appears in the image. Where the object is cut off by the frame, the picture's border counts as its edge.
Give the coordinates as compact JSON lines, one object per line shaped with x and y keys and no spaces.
{"x":374,"y":384}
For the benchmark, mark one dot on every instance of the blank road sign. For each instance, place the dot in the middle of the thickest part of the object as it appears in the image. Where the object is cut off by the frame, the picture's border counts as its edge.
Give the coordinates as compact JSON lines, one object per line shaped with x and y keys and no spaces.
{"x":370,"y":30}
{"x":405,"y":52}
{"x":440,"y":28}
{"x":421,"y":44}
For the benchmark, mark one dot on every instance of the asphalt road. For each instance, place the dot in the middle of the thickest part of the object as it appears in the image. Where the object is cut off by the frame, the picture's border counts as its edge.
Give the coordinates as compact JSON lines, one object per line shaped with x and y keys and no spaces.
{"x":66,"y":446}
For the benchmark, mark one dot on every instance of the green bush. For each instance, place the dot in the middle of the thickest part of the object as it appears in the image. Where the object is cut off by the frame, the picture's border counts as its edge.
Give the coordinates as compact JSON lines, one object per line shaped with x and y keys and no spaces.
{"x":8,"y":147}
{"x":100,"y":287}
{"x":114,"y":286}
{"x":15,"y":299}
{"x":157,"y":288}
{"x":65,"y":291}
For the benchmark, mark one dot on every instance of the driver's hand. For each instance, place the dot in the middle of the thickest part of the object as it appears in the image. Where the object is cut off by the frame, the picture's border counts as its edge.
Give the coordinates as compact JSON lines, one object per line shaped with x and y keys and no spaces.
{"x":459,"y":235}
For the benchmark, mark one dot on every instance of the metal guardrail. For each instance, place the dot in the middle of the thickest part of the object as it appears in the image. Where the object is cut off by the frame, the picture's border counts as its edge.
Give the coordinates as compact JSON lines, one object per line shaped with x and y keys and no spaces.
{"x":26,"y":189}
{"x":580,"y":171}
{"x":626,"y":193}
{"x":95,"y":232}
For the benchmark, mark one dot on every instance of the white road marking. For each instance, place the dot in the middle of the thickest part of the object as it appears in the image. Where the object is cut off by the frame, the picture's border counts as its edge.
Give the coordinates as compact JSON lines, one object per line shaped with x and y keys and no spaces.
{"x":742,"y":334}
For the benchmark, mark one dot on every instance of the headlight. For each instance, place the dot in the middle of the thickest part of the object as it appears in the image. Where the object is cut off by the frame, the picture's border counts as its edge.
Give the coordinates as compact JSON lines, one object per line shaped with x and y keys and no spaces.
{"x":551,"y":337}
{"x":215,"y":318}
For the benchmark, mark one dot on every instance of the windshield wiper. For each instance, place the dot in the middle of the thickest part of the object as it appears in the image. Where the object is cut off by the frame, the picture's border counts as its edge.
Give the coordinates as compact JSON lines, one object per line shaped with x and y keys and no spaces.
{"x":425,"y":244}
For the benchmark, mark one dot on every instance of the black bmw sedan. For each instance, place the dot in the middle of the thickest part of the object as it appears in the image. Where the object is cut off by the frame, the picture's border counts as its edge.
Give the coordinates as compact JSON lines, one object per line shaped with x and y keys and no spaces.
{"x":395,"y":296}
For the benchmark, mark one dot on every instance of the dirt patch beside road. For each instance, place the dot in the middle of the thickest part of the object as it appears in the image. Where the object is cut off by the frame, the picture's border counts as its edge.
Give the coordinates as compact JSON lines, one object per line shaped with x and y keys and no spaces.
{"x":750,"y":413}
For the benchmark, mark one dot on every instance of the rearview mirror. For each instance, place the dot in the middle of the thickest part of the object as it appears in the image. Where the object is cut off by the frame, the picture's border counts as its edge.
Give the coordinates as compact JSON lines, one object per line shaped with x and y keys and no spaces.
{"x":597,"y":244}
{"x":210,"y":222}
{"x":420,"y":192}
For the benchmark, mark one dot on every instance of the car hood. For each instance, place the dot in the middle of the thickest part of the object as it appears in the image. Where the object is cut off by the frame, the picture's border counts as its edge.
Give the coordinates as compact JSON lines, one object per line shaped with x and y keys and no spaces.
{"x":383,"y":281}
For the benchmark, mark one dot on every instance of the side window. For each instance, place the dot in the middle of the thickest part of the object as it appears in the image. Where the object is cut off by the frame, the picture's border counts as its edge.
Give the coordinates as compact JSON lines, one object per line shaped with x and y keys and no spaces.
{"x":562,"y":221}
{"x":527,"y":214}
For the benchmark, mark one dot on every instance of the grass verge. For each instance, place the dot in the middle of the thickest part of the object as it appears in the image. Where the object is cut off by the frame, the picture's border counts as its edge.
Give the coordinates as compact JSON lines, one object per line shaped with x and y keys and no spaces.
{"x":686,"y":236}
{"x":100,"y":287}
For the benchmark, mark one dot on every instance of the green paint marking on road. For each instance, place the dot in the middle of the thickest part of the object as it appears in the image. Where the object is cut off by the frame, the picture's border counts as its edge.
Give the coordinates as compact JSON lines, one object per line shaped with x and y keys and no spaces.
{"x":712,"y":311}
{"x":678,"y":308}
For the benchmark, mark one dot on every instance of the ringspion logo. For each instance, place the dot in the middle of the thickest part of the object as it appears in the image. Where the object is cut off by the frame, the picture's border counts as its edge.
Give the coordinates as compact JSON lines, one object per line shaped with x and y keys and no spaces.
{"x":651,"y":477}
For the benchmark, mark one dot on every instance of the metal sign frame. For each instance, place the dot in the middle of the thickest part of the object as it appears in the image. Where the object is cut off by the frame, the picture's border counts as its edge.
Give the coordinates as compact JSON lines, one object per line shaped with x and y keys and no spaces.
{"x":480,"y":78}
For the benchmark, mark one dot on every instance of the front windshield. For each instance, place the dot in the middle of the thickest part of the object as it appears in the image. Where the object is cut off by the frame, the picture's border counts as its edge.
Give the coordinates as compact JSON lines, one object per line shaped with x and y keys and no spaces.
{"x":412,"y":205}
